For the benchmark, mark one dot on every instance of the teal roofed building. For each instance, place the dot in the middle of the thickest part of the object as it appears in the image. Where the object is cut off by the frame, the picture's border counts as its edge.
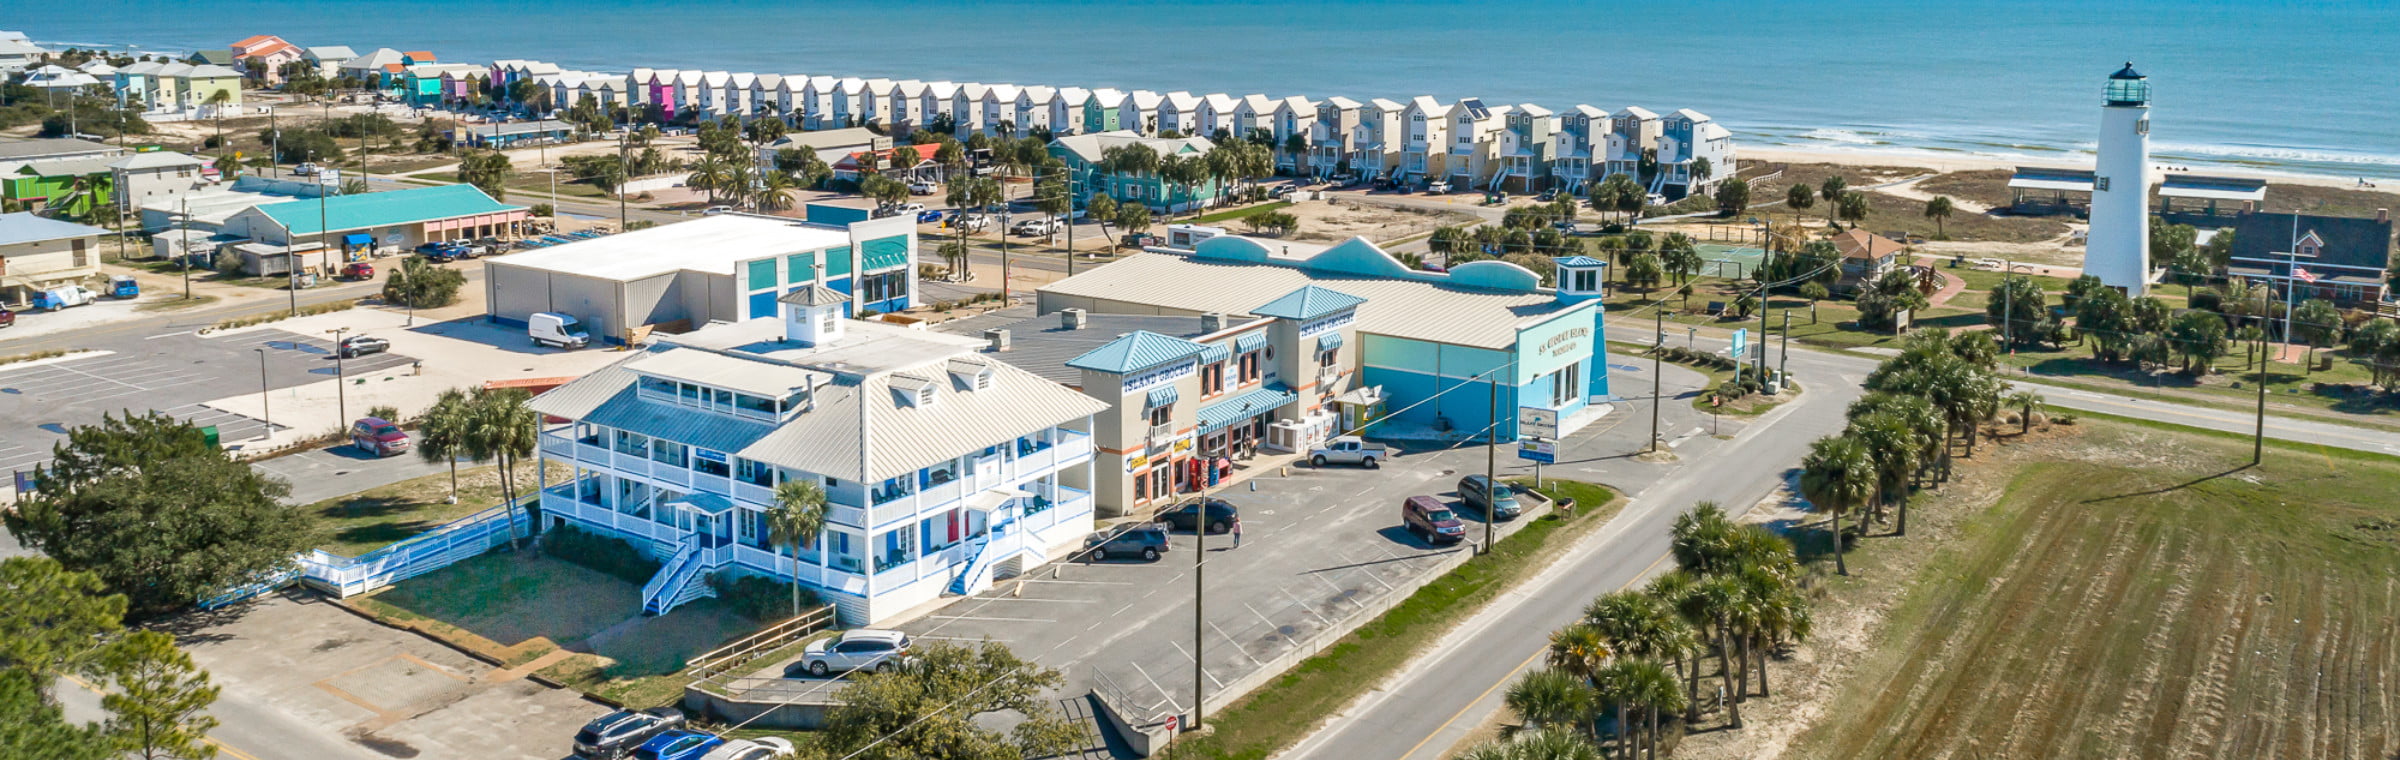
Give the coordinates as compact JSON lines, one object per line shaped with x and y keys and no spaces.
{"x":1084,"y":155}
{"x":1136,"y":351}
{"x":393,"y":219}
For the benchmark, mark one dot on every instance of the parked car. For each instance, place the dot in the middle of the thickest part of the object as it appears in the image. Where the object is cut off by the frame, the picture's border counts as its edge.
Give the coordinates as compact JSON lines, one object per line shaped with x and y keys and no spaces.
{"x":761,"y":748}
{"x":1280,"y":191}
{"x":715,"y":210}
{"x":123,"y":286}
{"x":1349,"y":449}
{"x":859,"y":649}
{"x":7,"y":318}
{"x":553,"y":329}
{"x":1146,"y":540}
{"x":1035,"y":227}
{"x":378,"y":437}
{"x":70,"y":296}
{"x":970,"y":222}
{"x":612,"y":736}
{"x":929,"y":216}
{"x":358,"y":270}
{"x":923,"y":187}
{"x":1495,"y":500}
{"x":1437,"y":187}
{"x":440,"y":251}
{"x":360,"y":345}
{"x":1220,"y":516}
{"x":304,"y":169}
{"x":907,"y":208}
{"x":471,"y":250}
{"x":1429,"y":519}
{"x":1344,"y":179}
{"x":677,"y":745}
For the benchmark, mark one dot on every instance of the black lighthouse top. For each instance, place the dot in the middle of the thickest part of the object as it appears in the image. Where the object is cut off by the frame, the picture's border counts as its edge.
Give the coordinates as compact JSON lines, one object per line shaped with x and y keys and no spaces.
{"x":2128,"y":87}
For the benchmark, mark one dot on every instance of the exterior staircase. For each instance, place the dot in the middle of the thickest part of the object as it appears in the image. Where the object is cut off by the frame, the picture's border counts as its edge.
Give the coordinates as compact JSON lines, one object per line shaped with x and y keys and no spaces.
{"x":983,"y":552}
{"x":678,"y":581}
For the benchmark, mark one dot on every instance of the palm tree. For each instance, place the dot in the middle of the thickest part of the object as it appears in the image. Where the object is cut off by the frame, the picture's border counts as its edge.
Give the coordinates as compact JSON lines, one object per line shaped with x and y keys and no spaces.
{"x":441,"y":433}
{"x":1680,"y":256}
{"x":1719,"y":602}
{"x":777,"y":191}
{"x":1545,"y":744}
{"x":1780,"y":613}
{"x":1580,"y":649}
{"x":1893,"y":446}
{"x":795,"y":522}
{"x":709,"y":174}
{"x":216,"y":106}
{"x":1837,"y":474}
{"x":503,"y":428}
{"x":1831,"y":190}
{"x":1552,"y":698}
{"x":1799,"y":197}
{"x":2025,"y":401}
{"x":1646,"y":624}
{"x":1646,"y":686}
{"x":1939,"y":210}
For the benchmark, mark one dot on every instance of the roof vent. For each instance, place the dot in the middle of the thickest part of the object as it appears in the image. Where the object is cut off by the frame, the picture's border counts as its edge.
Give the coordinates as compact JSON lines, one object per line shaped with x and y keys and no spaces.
{"x":1212,"y":322}
{"x":998,"y":337}
{"x":1074,"y":319}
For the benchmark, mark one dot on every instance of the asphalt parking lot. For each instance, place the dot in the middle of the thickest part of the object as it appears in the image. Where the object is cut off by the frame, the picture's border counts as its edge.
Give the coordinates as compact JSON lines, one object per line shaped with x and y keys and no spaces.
{"x":1318,"y":546}
{"x":173,"y":373}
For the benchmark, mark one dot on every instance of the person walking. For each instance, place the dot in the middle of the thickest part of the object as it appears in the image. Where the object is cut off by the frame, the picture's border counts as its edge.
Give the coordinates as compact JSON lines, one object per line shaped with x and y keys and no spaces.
{"x":1237,"y":532}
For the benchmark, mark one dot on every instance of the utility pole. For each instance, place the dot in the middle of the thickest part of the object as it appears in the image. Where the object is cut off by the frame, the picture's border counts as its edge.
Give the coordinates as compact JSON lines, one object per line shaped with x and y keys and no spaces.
{"x":341,"y":396}
{"x":183,"y":204}
{"x":1658,"y":368}
{"x":2258,"y":439}
{"x":1491,"y":455}
{"x":624,"y":173}
{"x":1783,"y":363}
{"x":266,"y":414}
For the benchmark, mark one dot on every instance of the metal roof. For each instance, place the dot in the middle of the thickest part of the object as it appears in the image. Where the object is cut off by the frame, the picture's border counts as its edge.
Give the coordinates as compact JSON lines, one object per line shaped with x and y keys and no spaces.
{"x":51,"y":147}
{"x":1242,"y":406}
{"x":27,"y":227}
{"x":691,"y":427}
{"x":711,"y":244}
{"x":1307,"y":303}
{"x":1402,"y":308}
{"x":1136,"y":351}
{"x":770,"y":379}
{"x":1162,"y":396}
{"x":1581,"y":261}
{"x":814,"y":295}
{"x":2213,"y":188}
{"x":2067,"y":180}
{"x":384,"y":209}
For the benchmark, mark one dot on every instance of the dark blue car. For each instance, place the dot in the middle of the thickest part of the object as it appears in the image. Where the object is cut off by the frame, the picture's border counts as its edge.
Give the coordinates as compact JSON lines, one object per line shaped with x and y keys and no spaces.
{"x":929,"y":216}
{"x":677,"y":745}
{"x":442,"y":251}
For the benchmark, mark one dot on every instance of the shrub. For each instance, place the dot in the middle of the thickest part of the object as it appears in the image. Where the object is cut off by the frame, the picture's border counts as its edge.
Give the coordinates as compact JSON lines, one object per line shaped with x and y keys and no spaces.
{"x":759,"y":597}
{"x":2208,"y":299}
{"x":385,"y":412}
{"x":608,"y":555}
{"x":423,"y":285}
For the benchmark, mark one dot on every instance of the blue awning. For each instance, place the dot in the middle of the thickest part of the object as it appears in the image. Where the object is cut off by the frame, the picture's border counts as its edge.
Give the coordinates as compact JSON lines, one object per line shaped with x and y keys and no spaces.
{"x":1329,"y":341}
{"x":1216,"y":353}
{"x":1243,"y":406}
{"x":1162,"y":396}
{"x":358,"y":238}
{"x":1251,"y":342}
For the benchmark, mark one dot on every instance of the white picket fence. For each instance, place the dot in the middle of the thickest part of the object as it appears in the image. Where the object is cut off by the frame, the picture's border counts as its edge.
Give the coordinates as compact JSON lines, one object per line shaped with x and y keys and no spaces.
{"x":350,"y":576}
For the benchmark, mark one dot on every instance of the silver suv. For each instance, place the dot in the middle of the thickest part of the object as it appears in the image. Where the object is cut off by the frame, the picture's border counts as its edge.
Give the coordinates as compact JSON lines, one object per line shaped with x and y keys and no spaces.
{"x":862,"y":649}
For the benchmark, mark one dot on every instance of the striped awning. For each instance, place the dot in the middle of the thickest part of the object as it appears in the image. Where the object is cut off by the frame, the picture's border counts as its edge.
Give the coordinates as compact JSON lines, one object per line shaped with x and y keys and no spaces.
{"x":1216,"y":353}
{"x":1162,"y":396}
{"x":1329,"y":341}
{"x":1243,"y":407}
{"x":1251,"y":342}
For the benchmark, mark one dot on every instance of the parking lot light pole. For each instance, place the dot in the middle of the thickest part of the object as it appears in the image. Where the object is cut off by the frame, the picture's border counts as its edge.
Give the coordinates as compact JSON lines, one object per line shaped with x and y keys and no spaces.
{"x":266,"y":415}
{"x":341,"y":395}
{"x":1491,"y":454}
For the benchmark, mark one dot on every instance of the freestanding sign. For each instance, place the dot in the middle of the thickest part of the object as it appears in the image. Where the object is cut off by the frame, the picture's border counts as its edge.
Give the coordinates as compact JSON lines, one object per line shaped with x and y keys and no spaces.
{"x":1538,"y":452}
{"x":1741,"y":343}
{"x":1537,"y":422}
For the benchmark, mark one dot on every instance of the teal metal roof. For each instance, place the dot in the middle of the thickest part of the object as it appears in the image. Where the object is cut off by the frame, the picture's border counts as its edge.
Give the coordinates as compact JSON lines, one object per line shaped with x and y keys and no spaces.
{"x":1581,"y":261}
{"x":707,"y":503}
{"x":1242,"y":406}
{"x":384,"y":209}
{"x":1309,"y":302}
{"x":1136,"y":351}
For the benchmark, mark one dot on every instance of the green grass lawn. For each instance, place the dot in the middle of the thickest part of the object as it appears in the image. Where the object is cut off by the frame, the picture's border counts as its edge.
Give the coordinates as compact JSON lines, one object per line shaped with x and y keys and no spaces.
{"x":515,"y":607}
{"x":2137,"y":592}
{"x":177,"y":304}
{"x":377,"y":517}
{"x":1295,"y":703}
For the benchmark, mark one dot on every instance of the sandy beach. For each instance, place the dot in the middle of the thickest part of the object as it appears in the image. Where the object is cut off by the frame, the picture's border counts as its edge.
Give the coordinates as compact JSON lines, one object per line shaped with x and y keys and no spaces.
{"x":1943,"y":163}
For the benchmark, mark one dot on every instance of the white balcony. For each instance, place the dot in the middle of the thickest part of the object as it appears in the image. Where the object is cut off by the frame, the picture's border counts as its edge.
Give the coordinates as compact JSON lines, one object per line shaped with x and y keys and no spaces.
{"x":1161,"y":432}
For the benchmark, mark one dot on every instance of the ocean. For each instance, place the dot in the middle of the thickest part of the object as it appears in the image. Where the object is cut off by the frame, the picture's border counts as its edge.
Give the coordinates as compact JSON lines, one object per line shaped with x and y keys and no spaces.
{"x":2304,"y":87}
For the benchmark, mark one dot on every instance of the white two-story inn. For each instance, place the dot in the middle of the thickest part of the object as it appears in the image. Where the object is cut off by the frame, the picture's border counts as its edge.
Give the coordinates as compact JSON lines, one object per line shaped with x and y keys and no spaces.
{"x":943,"y":468}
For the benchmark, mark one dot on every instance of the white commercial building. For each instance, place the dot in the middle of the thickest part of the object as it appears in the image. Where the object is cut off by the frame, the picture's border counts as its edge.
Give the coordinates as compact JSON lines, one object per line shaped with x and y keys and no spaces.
{"x":943,"y":469}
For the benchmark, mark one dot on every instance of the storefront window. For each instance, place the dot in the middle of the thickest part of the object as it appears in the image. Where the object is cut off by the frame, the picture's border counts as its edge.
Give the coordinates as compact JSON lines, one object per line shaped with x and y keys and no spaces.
{"x":883,"y":287}
{"x":1212,"y":379}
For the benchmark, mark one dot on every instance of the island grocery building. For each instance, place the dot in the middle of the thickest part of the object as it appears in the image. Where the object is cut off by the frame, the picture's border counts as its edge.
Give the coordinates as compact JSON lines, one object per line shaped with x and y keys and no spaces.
{"x":722,"y":268}
{"x":1231,"y":348}
{"x":390,"y":221}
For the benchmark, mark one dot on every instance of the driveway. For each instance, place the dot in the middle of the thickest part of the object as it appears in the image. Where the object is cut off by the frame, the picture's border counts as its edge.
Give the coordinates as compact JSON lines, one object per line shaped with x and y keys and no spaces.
{"x":303,"y":680}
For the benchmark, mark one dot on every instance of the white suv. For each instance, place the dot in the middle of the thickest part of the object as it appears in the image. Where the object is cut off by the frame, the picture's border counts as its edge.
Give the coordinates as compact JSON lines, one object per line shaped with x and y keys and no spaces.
{"x":862,"y":649}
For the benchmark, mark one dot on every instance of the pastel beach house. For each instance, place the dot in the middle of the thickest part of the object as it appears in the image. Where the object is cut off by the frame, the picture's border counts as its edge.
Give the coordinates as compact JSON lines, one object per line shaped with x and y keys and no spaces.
{"x":942,"y":469}
{"x":1582,"y":133}
{"x":1083,"y":155}
{"x":1688,"y":141}
{"x":265,"y":55}
{"x":1425,"y":152}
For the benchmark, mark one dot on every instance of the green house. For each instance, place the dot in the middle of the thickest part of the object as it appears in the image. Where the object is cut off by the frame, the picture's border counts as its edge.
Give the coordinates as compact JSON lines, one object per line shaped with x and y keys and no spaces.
{"x":1084,"y":153}
{"x":70,"y":186}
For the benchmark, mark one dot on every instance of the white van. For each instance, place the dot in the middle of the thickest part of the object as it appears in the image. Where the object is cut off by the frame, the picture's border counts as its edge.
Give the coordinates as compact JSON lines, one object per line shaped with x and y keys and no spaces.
{"x":559,"y":330}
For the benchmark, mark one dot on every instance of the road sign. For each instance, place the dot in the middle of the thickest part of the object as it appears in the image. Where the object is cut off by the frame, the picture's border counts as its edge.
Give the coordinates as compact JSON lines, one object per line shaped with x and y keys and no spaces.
{"x":1537,"y":422}
{"x":1539,"y":452}
{"x":1741,"y":343}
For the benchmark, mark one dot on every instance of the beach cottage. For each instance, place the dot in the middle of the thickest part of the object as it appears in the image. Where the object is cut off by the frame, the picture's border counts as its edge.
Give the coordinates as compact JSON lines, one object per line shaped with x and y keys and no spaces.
{"x":1216,"y":114}
{"x":1033,"y":107}
{"x":1140,"y":112}
{"x":1525,"y":143}
{"x":1582,"y":133}
{"x":1689,"y":140}
{"x":1632,"y":134}
{"x":1425,"y":156}
{"x":1293,"y":117}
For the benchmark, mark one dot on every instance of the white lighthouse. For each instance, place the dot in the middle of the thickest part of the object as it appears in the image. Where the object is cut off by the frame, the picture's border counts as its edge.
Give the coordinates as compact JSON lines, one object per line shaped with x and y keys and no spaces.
{"x":2118,"y":251}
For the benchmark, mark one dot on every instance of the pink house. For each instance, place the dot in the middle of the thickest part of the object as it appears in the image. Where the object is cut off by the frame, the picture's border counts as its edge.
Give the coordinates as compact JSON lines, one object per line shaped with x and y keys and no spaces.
{"x":270,"y":51}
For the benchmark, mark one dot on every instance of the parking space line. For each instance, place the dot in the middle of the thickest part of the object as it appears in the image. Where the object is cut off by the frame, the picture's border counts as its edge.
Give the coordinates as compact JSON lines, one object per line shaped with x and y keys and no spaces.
{"x":1287,"y":594}
{"x":1212,"y":677}
{"x":1162,"y":691}
{"x":991,"y":619}
{"x":1033,"y":599}
{"x":1237,"y":646}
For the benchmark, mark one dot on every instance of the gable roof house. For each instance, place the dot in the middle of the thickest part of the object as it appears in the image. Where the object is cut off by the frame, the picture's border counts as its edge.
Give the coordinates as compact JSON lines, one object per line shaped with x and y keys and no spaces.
{"x":2346,"y":260}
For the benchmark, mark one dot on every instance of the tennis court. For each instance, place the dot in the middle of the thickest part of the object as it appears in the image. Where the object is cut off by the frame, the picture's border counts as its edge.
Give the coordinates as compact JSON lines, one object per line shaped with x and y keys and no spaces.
{"x":1730,"y":260}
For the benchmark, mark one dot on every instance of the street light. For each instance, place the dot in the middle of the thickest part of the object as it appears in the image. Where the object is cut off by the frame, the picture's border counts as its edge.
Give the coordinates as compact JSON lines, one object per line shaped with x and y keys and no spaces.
{"x":341,"y":395}
{"x":265,"y":414}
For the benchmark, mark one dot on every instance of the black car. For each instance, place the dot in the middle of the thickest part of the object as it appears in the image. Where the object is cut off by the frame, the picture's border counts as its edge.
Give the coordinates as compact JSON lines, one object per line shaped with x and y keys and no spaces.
{"x":1145,"y":540}
{"x":615,"y":735}
{"x":1187,"y":517}
{"x":360,"y":345}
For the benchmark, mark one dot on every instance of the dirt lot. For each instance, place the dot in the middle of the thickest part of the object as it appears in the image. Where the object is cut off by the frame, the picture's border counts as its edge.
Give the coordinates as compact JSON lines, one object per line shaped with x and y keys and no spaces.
{"x":1337,"y":220}
{"x":2107,"y":590}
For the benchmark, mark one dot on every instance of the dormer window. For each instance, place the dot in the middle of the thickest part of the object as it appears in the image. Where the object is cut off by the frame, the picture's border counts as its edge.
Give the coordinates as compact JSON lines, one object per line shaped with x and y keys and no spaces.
{"x":914,"y":391}
{"x":974,"y":374}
